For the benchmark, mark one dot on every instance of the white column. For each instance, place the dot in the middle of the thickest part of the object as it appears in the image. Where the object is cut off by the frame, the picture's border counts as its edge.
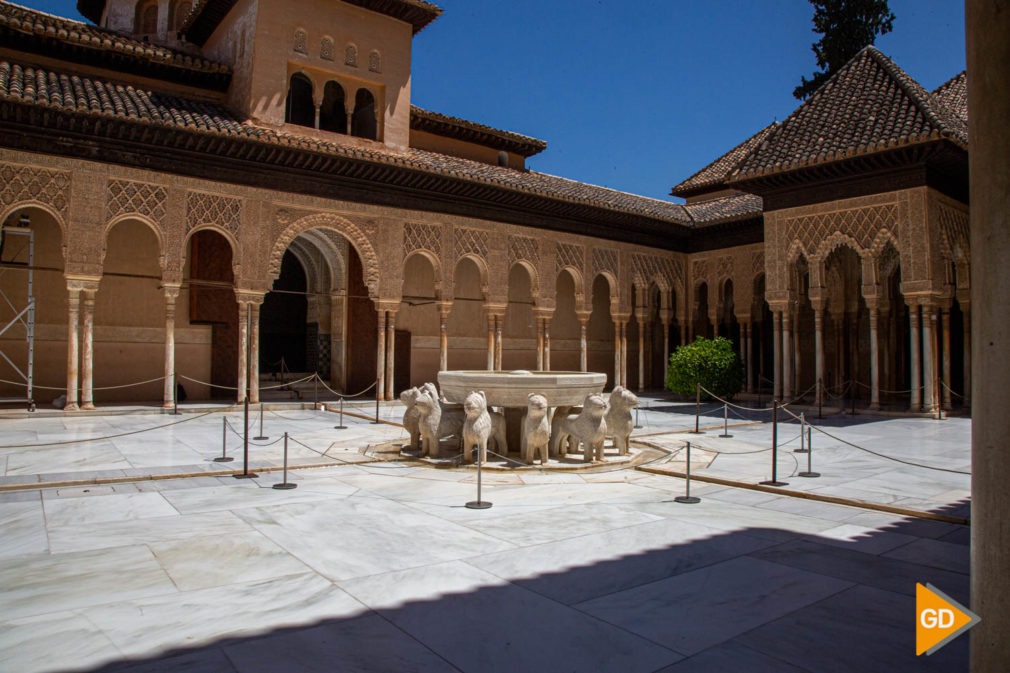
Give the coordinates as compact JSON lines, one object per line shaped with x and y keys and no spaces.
{"x":171,"y":294}
{"x":88,"y":349}
{"x":243,"y":337}
{"x":490,"y":342}
{"x":787,"y":356}
{"x":777,"y":353}
{"x":749,"y":347}
{"x":916,"y":376}
{"x":641,"y":353}
{"x":945,"y":332}
{"x":929,"y":358}
{"x":547,"y":343}
{"x":583,"y":344}
{"x":617,"y":353}
{"x":874,"y":359}
{"x":499,"y":321}
{"x":73,"y":312}
{"x":380,"y":356}
{"x":540,"y":343}
{"x":443,"y":339}
{"x":254,"y":352}
{"x":390,"y":353}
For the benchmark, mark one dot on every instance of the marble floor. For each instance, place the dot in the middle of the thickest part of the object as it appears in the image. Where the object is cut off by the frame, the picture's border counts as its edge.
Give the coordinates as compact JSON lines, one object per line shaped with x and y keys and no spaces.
{"x":380,"y":567}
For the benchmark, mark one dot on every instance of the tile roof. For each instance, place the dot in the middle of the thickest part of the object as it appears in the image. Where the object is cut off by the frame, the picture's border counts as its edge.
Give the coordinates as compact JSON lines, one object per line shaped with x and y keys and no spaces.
{"x":725,"y":209}
{"x":454,"y":127}
{"x":24,"y":83}
{"x":713,"y":176}
{"x":869,"y":105}
{"x":954,"y":94}
{"x":54,"y":31}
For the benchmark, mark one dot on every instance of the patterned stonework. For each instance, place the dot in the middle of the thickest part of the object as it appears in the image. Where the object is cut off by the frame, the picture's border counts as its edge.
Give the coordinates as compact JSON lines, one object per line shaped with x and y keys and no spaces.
{"x":954,"y":238}
{"x":21,"y":183}
{"x":569,"y":254}
{"x":222,"y":211}
{"x":422,"y":237}
{"x":819,"y":233}
{"x":125,"y":197}
{"x":326,"y":49}
{"x":334,"y":228}
{"x":699,"y":271}
{"x":757,"y":263}
{"x":523,"y":248}
{"x":646,"y":269}
{"x":351,"y":55}
{"x":470,"y":242}
{"x":724,"y":268}
{"x":301,"y":42}
{"x":375,"y":62}
{"x":604,"y":259}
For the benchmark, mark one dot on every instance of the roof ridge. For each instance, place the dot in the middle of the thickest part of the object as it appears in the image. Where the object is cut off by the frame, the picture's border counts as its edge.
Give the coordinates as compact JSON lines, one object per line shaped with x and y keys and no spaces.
{"x":950,"y":82}
{"x":922,"y":98}
{"x":683,"y":184}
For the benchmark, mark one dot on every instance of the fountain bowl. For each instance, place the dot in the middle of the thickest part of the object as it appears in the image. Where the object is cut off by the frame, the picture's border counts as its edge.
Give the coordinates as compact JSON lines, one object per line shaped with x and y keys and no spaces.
{"x":512,"y":388}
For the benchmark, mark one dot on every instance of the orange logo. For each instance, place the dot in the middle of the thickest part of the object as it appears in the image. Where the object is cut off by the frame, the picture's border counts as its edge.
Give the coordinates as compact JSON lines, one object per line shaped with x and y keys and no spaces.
{"x":939,"y":619}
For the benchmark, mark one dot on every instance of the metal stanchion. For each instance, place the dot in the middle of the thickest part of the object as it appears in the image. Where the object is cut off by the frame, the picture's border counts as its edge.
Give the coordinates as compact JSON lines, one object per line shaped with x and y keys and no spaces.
{"x":341,"y":426}
{"x":803,"y":432}
{"x":376,"y":421}
{"x":315,"y":390}
{"x":697,"y":409}
{"x":224,"y":457}
{"x":285,"y":485}
{"x":478,"y":503}
{"x":175,"y":395}
{"x":261,"y":435}
{"x":725,"y":421}
{"x":687,"y":498}
{"x":820,"y":398}
{"x":774,"y":481}
{"x":810,"y":452}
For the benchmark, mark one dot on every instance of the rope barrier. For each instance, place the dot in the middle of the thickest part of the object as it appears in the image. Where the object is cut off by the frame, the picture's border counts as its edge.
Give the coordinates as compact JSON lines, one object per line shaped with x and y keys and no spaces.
{"x":205,"y":383}
{"x":346,"y":397}
{"x":952,"y":391}
{"x":289,"y":383}
{"x":879,"y":455}
{"x":64,"y":388}
{"x":240,"y":436}
{"x":122,"y":434}
{"x":325,"y":454}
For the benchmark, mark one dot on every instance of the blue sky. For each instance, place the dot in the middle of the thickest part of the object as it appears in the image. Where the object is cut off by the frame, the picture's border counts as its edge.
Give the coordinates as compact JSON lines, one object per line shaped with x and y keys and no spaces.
{"x":638,"y":95}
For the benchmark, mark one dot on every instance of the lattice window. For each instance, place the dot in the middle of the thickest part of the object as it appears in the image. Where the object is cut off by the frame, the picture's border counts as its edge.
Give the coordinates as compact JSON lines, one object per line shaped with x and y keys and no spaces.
{"x":604,"y":260}
{"x":470,"y":242}
{"x":125,"y":197}
{"x":860,"y":224}
{"x":326,"y":49}
{"x":757,"y":263}
{"x":351,"y":56}
{"x":301,"y":42}
{"x":569,"y":254}
{"x":523,"y":248}
{"x":375,"y":62}
{"x":223,"y":211}
{"x":422,"y":237}
{"x":647,"y":268}
{"x":21,"y":183}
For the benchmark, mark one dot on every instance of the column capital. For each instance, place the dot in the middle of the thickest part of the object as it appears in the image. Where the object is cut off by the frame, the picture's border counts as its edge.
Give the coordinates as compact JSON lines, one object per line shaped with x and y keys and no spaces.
{"x":543,"y":313}
{"x":171,"y":290}
{"x":243,"y":296}
{"x":77,"y":283}
{"x":583,"y":316}
{"x":391,"y":305}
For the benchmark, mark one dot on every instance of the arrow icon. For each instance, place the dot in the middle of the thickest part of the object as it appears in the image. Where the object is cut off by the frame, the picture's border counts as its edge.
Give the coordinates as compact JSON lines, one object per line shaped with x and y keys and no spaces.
{"x":939,"y":619}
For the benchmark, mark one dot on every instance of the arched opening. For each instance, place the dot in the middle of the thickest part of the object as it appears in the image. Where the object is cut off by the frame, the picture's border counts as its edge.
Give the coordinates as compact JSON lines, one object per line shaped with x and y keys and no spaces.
{"x":729,"y":326}
{"x":467,"y":324}
{"x":847,"y":361}
{"x":333,"y":114}
{"x":893,"y":333}
{"x":363,"y":123}
{"x":146,"y":19}
{"x":49,"y":289}
{"x":601,"y":330}
{"x":418,"y":320}
{"x":299,"y":108}
{"x":656,"y":341}
{"x":209,"y":276}
{"x":803,"y":341}
{"x":178,"y":13}
{"x":283,"y":316}
{"x":519,"y":350}
{"x":565,"y":328}
{"x":130,"y":318}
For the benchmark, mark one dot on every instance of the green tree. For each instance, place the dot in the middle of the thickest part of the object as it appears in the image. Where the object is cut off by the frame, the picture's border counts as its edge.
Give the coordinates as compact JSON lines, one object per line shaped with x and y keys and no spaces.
{"x":711,"y":362}
{"x":847,"y":26}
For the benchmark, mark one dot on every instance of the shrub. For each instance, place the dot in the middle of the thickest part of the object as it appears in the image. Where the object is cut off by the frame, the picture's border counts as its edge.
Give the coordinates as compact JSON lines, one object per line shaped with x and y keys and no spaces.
{"x":711,"y":362}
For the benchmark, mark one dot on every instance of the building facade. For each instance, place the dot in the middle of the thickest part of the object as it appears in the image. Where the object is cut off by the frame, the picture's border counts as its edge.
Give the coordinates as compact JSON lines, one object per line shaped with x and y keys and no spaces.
{"x":205,"y":180}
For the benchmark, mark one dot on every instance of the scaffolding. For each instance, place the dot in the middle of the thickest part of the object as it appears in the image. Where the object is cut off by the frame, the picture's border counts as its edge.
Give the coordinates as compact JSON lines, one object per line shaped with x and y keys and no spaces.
{"x":17,"y":256}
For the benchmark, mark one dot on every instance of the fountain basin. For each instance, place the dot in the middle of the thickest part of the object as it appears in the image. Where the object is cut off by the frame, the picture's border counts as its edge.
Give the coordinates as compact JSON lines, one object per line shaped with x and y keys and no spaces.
{"x":511,"y":389}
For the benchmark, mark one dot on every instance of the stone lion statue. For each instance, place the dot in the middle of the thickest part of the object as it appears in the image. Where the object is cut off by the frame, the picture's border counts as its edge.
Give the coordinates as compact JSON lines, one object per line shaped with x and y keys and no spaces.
{"x":481,"y":426}
{"x":536,"y":430}
{"x":618,"y":418}
{"x":588,"y":428}
{"x":412,"y":415}
{"x":435,"y":420}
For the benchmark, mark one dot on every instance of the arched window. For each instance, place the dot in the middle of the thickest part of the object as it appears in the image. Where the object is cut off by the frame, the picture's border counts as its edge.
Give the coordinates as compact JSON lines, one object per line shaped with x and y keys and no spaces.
{"x":181,"y":12}
{"x":146,"y":20}
{"x":299,"y":108}
{"x":375,"y":62}
{"x":333,"y":115}
{"x":351,"y":55}
{"x":301,"y":42}
{"x":326,"y":49}
{"x":363,"y":121}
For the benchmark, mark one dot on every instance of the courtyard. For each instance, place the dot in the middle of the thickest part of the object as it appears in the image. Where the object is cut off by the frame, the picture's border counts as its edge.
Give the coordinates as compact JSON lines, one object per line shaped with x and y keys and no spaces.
{"x":129,"y":549}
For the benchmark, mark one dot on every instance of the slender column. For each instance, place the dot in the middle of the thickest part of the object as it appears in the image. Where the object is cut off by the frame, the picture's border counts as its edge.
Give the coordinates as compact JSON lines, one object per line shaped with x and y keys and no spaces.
{"x":945,"y":332}
{"x":748,"y":348}
{"x":787,"y":356}
{"x":819,"y":352}
{"x":243,"y":340}
{"x":641,"y":353}
{"x":966,"y":311}
{"x":617,"y":353}
{"x":390,"y":352}
{"x":350,"y":119}
{"x":499,"y":321}
{"x":380,"y":356}
{"x":929,"y":358}
{"x":797,"y":355}
{"x":318,"y":106}
{"x":624,"y":353}
{"x":547,"y":343}
{"x":913,"y":338}
{"x":583,"y":344}
{"x":874,"y":359}
{"x":171,"y":294}
{"x":88,"y":350}
{"x":714,"y":321}
{"x":777,"y":353}
{"x":443,"y":338}
{"x":254,"y":353}
{"x":683,"y":332}
{"x":666,"y":343}
{"x":73,"y":312}
{"x":490,"y":342}
{"x":540,"y":343}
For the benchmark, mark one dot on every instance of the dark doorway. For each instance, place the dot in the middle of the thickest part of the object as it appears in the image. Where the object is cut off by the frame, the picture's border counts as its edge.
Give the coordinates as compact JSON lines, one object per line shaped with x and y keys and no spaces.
{"x":212,"y":302}
{"x":282,"y":320}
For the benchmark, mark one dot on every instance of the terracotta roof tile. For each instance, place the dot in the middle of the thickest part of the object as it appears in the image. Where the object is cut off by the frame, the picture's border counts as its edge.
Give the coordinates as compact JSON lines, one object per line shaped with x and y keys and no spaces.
{"x":38,"y":86}
{"x":954,"y":94}
{"x":454,"y":127}
{"x":714,"y":175}
{"x":54,"y":28}
{"x":870,"y":104}
{"x":724,"y":209}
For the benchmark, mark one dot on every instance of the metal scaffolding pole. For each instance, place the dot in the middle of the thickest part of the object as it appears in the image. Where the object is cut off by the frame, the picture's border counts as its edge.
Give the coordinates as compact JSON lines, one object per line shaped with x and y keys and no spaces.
{"x":18,"y":257}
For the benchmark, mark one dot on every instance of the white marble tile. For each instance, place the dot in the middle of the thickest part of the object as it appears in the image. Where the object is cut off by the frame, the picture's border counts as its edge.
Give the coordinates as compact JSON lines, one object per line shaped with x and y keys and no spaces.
{"x":61,"y":641}
{"x":530,"y":528}
{"x":187,"y":619}
{"x":73,"y":458}
{"x":90,"y":509}
{"x":714,"y":604}
{"x":39,"y":583}
{"x":861,"y":538}
{"x":218,"y":560}
{"x":23,"y":529}
{"x":477,"y":622}
{"x":355,"y":537}
{"x":81,"y":537}
{"x":239,"y":494}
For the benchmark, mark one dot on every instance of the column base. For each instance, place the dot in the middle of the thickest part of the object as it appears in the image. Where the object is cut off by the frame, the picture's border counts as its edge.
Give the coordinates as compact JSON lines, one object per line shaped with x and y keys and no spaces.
{"x":874,"y":407}
{"x":168,"y":405}
{"x":87,"y":406}
{"x":72,"y":407}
